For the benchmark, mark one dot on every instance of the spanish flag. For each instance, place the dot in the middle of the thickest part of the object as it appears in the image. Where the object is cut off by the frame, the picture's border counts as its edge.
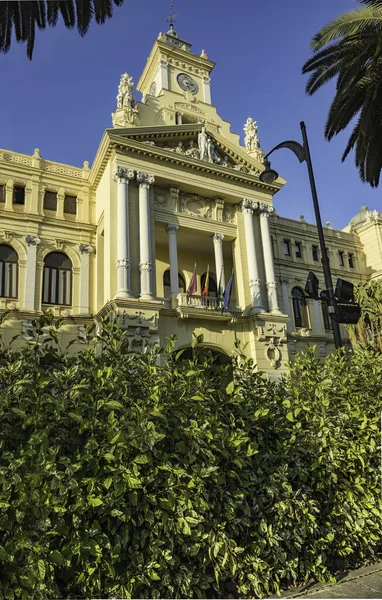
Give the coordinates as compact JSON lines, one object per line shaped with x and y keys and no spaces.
{"x":206,"y":283}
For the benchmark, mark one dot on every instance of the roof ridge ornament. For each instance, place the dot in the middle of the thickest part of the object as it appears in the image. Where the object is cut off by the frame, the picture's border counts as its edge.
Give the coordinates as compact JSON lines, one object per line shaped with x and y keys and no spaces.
{"x":171,"y":18}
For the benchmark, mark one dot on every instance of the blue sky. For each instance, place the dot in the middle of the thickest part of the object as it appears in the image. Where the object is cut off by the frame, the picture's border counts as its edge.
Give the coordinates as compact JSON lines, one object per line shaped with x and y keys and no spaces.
{"x":61,"y":102}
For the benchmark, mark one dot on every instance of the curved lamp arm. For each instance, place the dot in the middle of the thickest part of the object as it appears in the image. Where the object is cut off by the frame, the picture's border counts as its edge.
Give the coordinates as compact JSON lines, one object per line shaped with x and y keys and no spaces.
{"x":296,"y":147}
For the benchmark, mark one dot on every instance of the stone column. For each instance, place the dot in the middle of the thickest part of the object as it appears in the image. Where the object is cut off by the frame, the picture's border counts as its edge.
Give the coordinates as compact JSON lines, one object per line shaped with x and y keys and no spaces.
{"x":173,"y":252}
{"x":318,"y":317}
{"x":145,"y":252}
{"x":86,"y":250}
{"x":287,"y":311}
{"x":219,"y":261}
{"x":266,"y":241}
{"x":30,"y":277}
{"x":122,"y":177}
{"x":253,"y":271}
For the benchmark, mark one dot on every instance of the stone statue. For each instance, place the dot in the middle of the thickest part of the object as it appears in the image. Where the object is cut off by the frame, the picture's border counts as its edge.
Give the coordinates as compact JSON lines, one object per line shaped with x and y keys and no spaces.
{"x":125,"y":102}
{"x":251,"y":139}
{"x":202,"y":142}
{"x":192,"y":151}
{"x":212,"y":155}
{"x":125,"y":97}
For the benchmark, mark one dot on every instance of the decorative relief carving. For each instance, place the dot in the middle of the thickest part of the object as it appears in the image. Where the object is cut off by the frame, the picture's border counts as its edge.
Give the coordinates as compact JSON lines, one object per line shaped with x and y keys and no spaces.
{"x":195,"y":206}
{"x":85,"y":248}
{"x":190,"y":107}
{"x":228,"y":214}
{"x":32,"y":240}
{"x":161,"y":197}
{"x":273,"y":335}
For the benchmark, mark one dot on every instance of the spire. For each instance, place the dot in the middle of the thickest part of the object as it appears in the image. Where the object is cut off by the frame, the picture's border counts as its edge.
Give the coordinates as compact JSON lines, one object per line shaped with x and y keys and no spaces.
{"x":171,"y":17}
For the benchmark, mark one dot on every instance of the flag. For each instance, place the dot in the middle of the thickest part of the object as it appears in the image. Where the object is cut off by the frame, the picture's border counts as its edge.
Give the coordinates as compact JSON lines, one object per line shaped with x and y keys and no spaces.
{"x":206,"y":283}
{"x":192,"y":287}
{"x":220,"y":289}
{"x":227,"y":294}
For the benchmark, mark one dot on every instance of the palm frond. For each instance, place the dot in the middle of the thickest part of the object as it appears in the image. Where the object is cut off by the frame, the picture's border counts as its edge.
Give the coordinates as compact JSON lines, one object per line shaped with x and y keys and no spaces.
{"x":348,"y":24}
{"x":22,"y":16}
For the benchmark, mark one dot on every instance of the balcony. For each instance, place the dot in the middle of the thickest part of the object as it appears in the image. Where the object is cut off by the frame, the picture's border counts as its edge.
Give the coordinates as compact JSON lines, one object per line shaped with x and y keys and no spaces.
{"x":205,"y":307}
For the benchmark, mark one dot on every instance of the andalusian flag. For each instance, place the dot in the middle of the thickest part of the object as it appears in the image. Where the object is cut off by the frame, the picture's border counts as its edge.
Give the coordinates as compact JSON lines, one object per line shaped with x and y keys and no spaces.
{"x":192,"y":287}
{"x":206,"y":283}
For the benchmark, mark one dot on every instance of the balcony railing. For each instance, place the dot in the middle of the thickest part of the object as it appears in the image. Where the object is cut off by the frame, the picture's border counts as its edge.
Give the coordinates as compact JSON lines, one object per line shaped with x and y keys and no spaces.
{"x":204,"y":302}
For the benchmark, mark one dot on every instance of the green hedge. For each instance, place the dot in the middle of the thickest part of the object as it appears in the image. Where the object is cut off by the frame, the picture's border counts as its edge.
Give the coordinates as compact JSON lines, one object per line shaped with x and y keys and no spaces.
{"x":121,"y":478}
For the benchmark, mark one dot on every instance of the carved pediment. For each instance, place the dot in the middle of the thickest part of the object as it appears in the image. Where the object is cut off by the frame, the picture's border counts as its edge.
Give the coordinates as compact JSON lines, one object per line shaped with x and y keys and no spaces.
{"x":194,"y":143}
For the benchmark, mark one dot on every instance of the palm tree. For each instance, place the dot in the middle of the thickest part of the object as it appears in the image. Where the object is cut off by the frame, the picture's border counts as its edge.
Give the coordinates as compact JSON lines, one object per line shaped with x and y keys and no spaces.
{"x":24,"y":15}
{"x":350,"y":50}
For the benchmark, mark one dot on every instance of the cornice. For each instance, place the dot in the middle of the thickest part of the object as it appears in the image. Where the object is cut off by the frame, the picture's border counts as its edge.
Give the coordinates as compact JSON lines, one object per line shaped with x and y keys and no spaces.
{"x":46,"y":221}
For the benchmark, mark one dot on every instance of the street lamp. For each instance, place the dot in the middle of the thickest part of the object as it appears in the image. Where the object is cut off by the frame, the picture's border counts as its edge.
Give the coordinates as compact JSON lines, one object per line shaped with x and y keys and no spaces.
{"x":269,"y":175}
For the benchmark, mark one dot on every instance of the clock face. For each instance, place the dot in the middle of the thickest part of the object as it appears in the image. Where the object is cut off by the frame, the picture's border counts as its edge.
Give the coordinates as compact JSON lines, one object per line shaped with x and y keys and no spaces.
{"x":187,"y":83}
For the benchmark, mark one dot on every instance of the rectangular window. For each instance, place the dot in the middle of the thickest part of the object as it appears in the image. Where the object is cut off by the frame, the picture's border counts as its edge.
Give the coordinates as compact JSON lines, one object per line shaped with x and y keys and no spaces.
{"x":286,"y":247}
{"x":70,"y":205}
{"x":315,"y":253}
{"x":351,"y":261}
{"x":50,"y":201}
{"x":19,"y":194}
{"x":2,"y":193}
{"x":341,"y":259}
{"x":298,"y":250}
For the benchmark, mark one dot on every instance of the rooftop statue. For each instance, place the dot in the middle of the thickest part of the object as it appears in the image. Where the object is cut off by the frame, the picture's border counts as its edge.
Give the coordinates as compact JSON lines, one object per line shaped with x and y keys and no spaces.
{"x":127,"y":109}
{"x":251,"y":139}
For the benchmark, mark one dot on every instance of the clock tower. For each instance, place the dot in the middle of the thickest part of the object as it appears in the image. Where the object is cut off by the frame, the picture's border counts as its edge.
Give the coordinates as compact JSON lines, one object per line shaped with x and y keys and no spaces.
{"x":173,"y":67}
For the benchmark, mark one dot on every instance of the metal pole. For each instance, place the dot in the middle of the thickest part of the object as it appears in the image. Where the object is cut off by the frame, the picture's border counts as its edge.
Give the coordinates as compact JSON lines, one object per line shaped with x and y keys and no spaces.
{"x":325,"y":260}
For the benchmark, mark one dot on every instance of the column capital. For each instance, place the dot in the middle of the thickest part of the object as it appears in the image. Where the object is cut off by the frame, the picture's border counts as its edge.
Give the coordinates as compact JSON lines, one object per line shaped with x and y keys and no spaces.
{"x":85,"y":248}
{"x":145,"y":179}
{"x":284,"y":280}
{"x":120,"y":173}
{"x":32,"y":240}
{"x":172,"y":228}
{"x":248,"y":206}
{"x":123,"y":262}
{"x":145,"y":266}
{"x":265,"y":209}
{"x":218,"y":238}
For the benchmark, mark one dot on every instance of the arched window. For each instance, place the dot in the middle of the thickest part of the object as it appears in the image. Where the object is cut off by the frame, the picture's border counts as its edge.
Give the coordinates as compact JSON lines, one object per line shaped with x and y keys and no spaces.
{"x":299,"y":308}
{"x":8,"y":271}
{"x":57,"y":284}
{"x":212,"y":287}
{"x":167,"y":284}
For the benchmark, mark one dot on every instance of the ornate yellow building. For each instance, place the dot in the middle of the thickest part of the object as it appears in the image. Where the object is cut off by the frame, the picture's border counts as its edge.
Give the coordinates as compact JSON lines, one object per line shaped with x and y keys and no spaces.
{"x":171,"y":194}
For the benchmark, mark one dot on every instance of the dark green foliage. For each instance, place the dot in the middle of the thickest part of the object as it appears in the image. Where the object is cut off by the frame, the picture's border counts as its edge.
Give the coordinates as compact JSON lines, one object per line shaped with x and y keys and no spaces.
{"x":122,"y":478}
{"x":368,"y":331}
{"x":348,"y":50}
{"x":20,"y":17}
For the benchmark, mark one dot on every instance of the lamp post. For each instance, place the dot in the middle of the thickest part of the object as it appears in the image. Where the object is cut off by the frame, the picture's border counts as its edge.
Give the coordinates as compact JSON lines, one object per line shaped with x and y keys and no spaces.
{"x":269,"y":175}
